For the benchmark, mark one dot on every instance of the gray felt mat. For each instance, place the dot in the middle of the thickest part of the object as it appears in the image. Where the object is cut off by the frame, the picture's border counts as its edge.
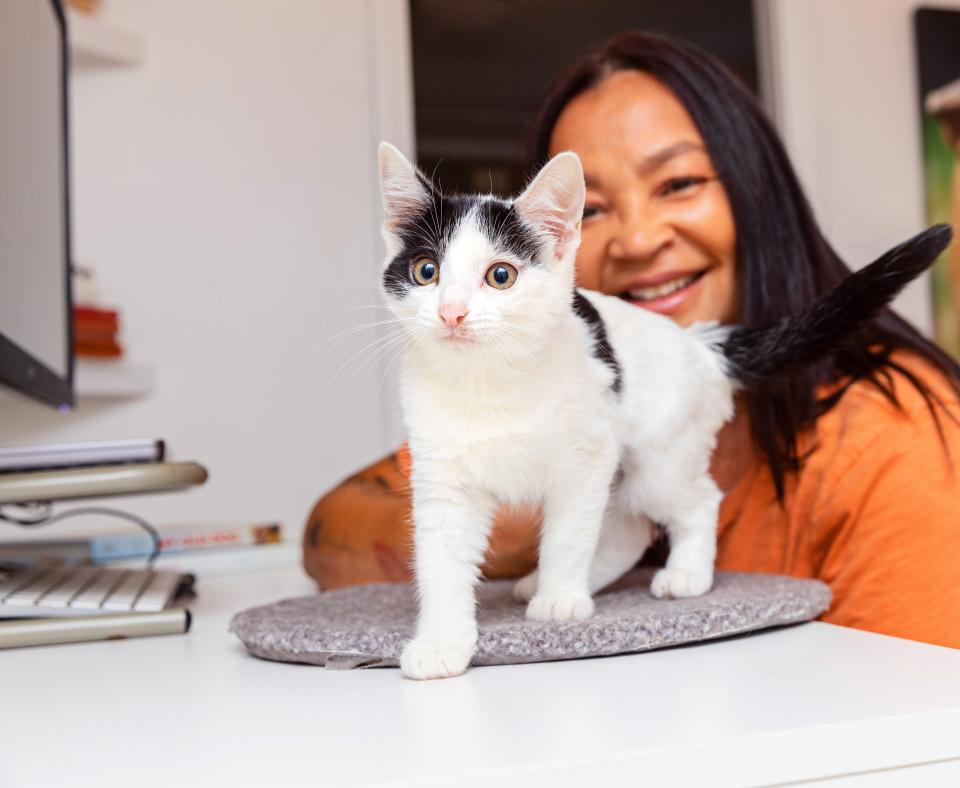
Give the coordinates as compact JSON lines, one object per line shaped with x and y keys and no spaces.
{"x":367,"y":626}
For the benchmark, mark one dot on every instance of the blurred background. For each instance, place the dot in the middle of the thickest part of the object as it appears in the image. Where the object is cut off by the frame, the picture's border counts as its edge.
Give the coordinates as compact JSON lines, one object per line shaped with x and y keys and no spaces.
{"x":481,"y":68}
{"x":226,"y":209}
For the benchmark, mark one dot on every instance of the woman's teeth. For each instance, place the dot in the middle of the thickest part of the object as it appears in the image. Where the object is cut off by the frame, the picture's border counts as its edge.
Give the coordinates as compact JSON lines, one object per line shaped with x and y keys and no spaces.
{"x":650,"y":293}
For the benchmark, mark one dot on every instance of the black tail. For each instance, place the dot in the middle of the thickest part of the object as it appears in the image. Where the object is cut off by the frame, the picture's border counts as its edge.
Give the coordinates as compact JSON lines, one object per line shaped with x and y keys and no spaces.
{"x":758,"y":353}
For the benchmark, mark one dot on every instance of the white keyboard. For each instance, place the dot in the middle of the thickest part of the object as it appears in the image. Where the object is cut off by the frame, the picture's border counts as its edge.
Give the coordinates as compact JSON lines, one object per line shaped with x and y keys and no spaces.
{"x":57,"y":590}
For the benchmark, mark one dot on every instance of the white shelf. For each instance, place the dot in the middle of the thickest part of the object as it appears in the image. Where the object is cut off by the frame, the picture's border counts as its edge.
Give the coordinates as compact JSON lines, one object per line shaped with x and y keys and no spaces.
{"x":111,"y":379}
{"x":95,"y":44}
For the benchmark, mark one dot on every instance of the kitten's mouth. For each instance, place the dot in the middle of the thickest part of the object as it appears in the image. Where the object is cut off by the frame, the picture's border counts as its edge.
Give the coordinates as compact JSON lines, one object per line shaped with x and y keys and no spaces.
{"x":664,"y":296}
{"x":456,"y":338}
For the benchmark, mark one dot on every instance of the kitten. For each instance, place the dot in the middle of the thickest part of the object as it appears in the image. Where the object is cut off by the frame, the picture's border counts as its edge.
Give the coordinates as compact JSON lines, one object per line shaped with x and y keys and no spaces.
{"x":517,"y":387}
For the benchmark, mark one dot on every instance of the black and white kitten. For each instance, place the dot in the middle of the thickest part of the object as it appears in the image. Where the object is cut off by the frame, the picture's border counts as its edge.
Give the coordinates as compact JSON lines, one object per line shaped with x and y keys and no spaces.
{"x":519,"y":388}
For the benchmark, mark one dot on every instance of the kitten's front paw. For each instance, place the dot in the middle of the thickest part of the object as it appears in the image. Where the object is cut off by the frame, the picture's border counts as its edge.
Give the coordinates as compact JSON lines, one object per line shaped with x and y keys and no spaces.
{"x":427,"y":658}
{"x":560,"y":607}
{"x":525,"y":588}
{"x":672,"y":582}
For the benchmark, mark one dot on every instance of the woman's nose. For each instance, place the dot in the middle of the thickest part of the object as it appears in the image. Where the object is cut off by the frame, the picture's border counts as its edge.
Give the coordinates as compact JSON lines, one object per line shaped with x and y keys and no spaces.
{"x":639,"y":235}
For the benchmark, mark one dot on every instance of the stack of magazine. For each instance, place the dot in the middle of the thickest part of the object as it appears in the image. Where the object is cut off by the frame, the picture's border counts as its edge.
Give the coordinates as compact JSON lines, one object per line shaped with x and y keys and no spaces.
{"x":188,"y":547}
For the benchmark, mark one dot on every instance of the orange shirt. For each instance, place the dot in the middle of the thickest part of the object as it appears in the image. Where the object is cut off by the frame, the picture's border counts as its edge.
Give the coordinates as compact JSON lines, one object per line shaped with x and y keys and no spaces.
{"x":874,"y":513}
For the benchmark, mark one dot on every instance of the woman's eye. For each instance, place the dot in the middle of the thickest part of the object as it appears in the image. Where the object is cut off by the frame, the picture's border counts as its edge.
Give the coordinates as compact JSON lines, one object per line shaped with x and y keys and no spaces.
{"x":589,"y":211}
{"x":675,"y":185}
{"x":501,"y":275}
{"x":425,"y":271}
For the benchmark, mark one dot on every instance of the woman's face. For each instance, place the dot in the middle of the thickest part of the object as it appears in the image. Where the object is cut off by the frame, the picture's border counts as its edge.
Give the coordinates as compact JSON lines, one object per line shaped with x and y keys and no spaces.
{"x":657,"y":226}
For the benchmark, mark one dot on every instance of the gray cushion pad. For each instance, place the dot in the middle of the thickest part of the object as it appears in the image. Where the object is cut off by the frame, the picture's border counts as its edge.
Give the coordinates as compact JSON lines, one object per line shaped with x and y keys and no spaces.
{"x":367,"y":626}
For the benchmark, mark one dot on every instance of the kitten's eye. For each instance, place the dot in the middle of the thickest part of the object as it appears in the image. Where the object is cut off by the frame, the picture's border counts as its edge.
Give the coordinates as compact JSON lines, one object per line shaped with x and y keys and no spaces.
{"x":426,"y":271}
{"x":501,"y":275}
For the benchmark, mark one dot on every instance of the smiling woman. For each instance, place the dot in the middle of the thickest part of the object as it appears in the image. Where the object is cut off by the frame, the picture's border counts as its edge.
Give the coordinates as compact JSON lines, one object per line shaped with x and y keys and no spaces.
{"x":652,"y":190}
{"x":839,"y":470}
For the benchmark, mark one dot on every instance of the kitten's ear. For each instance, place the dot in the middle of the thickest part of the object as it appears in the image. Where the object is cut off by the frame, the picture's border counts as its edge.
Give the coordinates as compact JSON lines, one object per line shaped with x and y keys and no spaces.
{"x":553,"y":202}
{"x":403,"y":190}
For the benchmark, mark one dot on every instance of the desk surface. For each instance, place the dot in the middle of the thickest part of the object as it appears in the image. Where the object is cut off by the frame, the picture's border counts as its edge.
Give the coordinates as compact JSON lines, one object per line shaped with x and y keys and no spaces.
{"x":794,"y":704}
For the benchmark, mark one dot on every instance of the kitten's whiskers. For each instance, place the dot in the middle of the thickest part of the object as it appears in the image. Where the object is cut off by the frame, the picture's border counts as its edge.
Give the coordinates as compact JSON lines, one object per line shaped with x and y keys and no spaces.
{"x":347,"y":332}
{"x":362,"y":350}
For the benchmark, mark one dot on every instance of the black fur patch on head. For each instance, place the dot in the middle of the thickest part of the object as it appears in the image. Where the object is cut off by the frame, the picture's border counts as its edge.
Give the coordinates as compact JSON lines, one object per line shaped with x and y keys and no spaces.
{"x":601,"y":344}
{"x":427,"y":233}
{"x":507,"y":230}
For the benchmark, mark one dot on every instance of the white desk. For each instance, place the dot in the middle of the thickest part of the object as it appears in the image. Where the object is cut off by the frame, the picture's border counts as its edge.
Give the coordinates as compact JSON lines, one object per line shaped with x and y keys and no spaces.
{"x":796,"y":704}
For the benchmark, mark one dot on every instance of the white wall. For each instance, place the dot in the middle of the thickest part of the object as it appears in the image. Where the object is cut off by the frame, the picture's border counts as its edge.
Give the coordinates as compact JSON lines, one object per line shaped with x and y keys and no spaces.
{"x":225,"y":191}
{"x":844,"y":89}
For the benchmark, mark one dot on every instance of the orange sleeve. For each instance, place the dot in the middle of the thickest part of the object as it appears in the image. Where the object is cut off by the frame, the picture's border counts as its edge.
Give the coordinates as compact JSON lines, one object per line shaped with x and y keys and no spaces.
{"x":890,"y":531}
{"x":404,"y":461}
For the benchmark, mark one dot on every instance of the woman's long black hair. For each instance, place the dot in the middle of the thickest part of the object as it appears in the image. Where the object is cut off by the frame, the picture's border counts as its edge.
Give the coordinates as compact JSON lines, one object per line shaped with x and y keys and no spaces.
{"x":783,"y":259}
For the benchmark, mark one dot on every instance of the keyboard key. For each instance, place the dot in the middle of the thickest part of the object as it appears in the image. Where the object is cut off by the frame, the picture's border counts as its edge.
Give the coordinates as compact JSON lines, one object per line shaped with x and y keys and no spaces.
{"x":125,"y":594}
{"x":27,"y":595}
{"x":21,"y":578}
{"x":156,"y":595}
{"x":61,"y":596}
{"x":58,"y":590}
{"x":93,"y":595}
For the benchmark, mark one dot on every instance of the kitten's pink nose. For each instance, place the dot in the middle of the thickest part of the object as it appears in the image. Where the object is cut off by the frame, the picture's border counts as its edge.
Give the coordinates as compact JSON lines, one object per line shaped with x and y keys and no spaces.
{"x":452,"y":315}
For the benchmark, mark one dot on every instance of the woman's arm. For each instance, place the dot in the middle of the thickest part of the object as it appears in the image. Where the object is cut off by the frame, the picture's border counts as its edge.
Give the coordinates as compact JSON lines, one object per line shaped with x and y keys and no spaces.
{"x":361,"y":531}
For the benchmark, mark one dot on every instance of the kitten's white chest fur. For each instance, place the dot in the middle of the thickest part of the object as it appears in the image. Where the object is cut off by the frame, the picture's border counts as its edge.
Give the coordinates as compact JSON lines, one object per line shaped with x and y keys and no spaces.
{"x":493,"y":429}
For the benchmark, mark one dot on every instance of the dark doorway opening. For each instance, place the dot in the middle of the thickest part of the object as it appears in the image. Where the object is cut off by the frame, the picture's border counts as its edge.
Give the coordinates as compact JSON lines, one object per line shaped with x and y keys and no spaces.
{"x":481,"y":68}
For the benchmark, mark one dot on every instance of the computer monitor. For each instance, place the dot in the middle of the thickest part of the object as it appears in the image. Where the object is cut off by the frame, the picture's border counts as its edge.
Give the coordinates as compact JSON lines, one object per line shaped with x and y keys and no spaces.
{"x":36,"y":336}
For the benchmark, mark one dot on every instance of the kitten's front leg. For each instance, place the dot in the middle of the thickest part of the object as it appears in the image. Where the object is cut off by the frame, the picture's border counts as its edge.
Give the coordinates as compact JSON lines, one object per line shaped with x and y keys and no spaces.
{"x":451,"y":529}
{"x":573,"y":513}
{"x":692,"y":527}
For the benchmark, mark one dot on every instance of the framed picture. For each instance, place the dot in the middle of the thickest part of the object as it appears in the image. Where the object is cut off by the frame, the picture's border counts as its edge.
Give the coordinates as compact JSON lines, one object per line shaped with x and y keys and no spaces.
{"x":938,"y":67}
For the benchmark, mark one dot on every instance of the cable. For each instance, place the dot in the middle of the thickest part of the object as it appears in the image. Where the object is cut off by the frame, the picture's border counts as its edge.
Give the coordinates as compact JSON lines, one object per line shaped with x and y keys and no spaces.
{"x":39,"y":513}
{"x":44,"y":507}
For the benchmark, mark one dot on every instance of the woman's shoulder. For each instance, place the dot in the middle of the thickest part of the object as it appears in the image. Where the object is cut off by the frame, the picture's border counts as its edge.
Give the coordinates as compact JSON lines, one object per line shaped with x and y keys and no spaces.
{"x":868,"y":447}
{"x":867,"y":411}
{"x":869,"y":444}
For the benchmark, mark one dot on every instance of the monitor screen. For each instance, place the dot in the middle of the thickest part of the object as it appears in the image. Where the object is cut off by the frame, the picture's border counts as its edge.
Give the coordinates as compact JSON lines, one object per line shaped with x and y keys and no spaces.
{"x":35,"y":317}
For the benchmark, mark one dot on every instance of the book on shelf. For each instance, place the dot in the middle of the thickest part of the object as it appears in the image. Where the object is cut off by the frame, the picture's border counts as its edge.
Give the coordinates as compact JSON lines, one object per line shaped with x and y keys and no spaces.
{"x":96,"y":318}
{"x":99,"y":349}
{"x":85,"y":6}
{"x":95,"y":332}
{"x":105,"y":548}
